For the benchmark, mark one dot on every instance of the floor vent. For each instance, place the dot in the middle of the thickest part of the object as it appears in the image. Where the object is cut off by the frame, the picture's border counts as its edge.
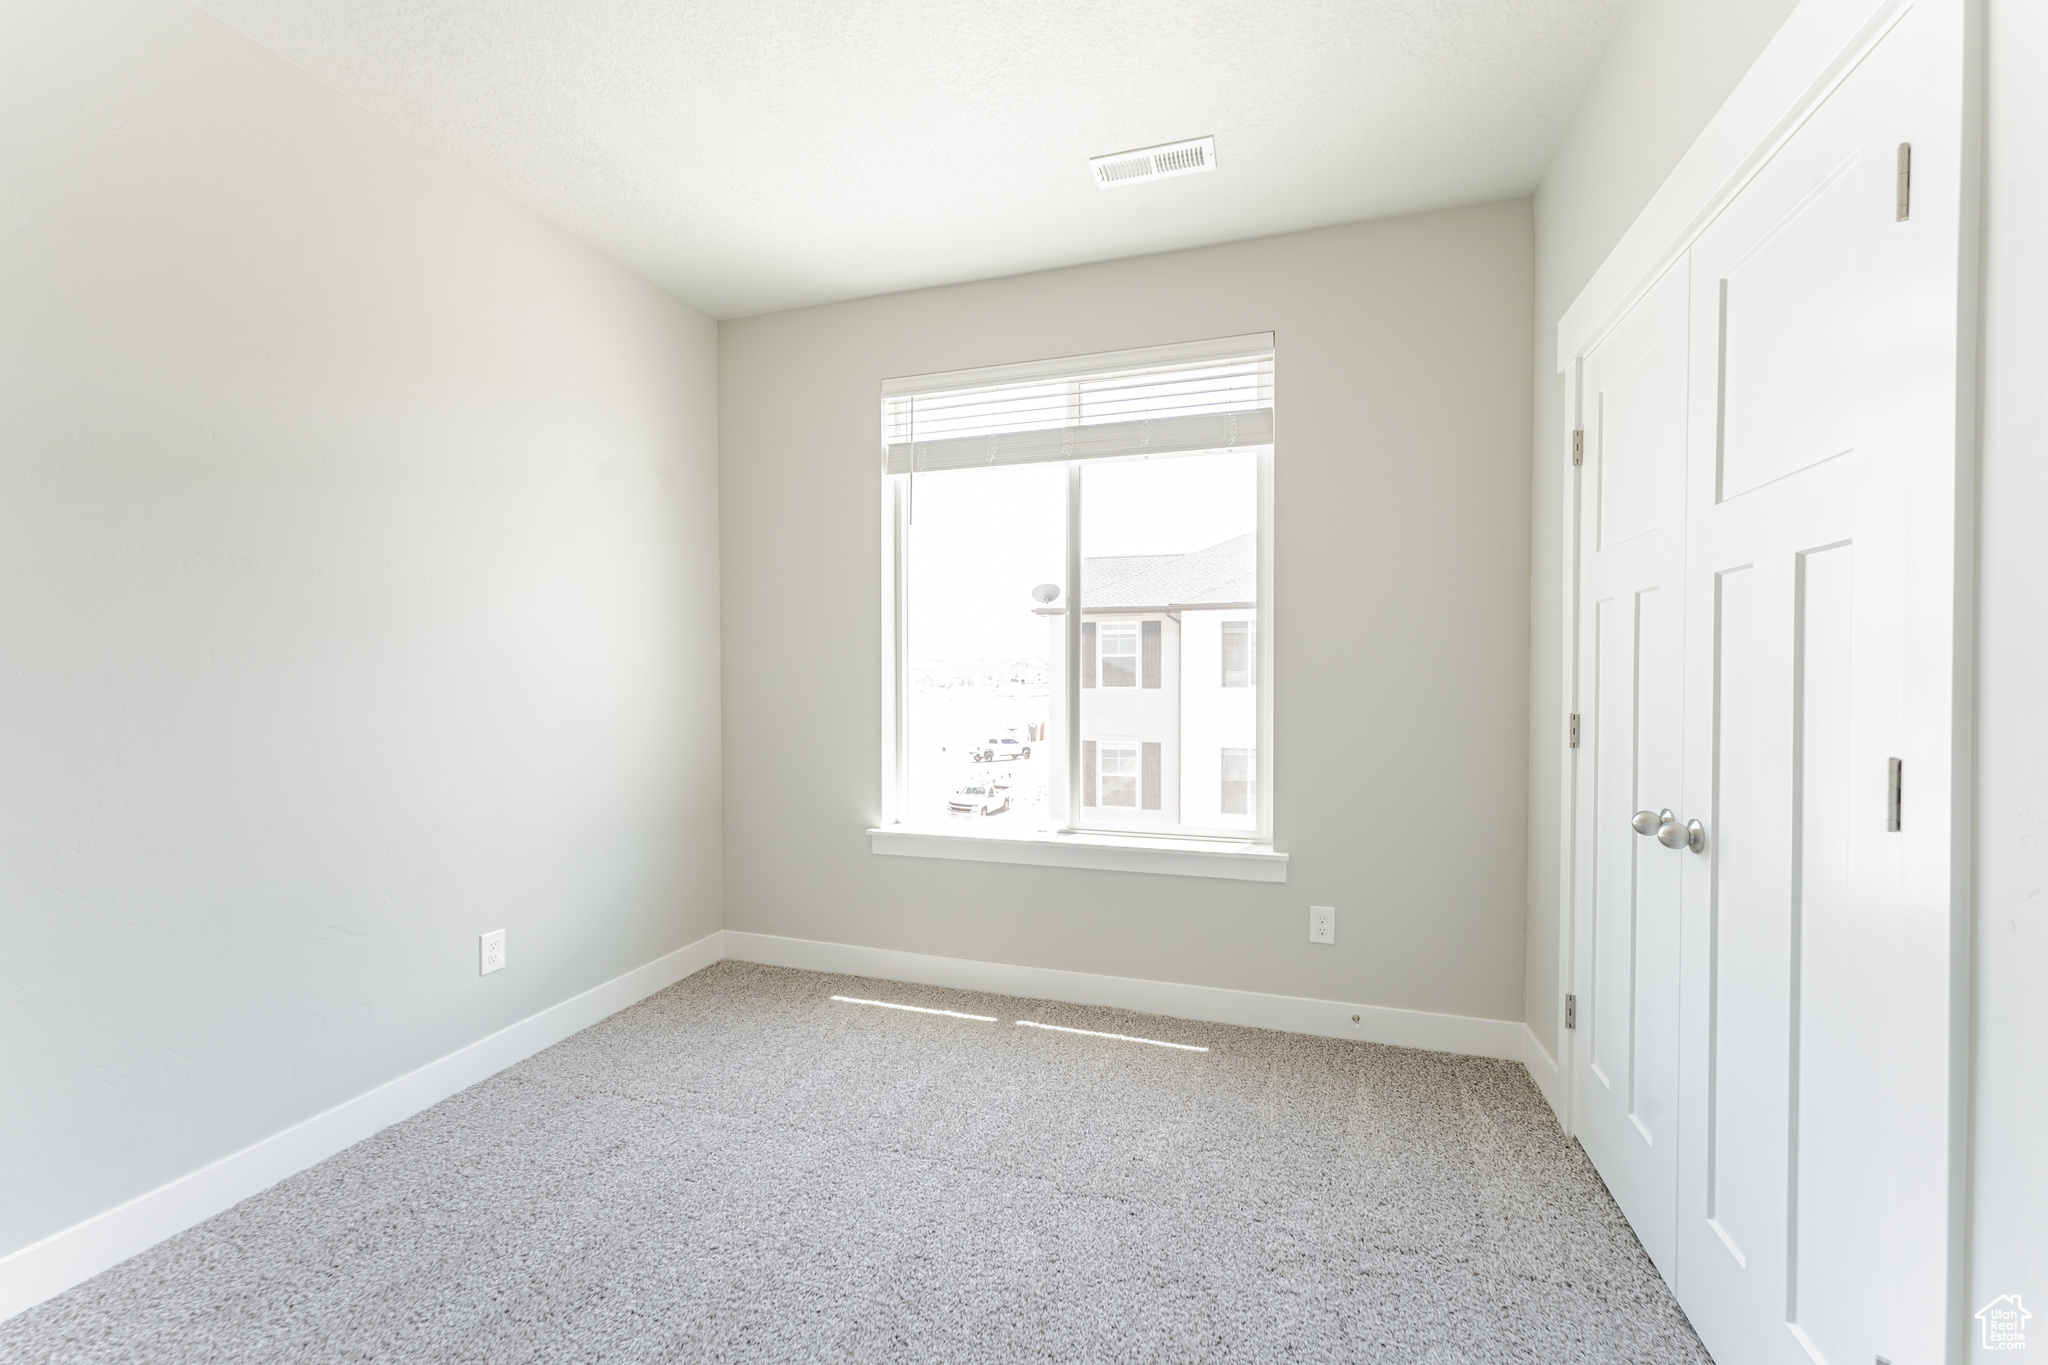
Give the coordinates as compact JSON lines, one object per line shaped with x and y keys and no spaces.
{"x":1154,"y":163}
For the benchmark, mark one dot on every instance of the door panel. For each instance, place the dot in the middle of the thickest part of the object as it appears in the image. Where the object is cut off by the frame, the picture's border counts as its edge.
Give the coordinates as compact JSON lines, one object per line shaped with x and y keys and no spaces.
{"x":1824,"y":1001}
{"x":1628,"y":905}
{"x":1748,"y":957}
{"x":1629,"y":1034}
{"x":1636,"y":439}
{"x":1788,"y":328}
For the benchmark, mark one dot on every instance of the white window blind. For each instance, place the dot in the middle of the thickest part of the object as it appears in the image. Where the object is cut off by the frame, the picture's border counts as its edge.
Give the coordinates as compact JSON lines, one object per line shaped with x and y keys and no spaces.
{"x":1207,"y":395}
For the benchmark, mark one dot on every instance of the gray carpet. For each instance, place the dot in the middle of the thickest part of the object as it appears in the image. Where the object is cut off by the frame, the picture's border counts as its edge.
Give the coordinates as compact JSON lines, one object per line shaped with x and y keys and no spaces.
{"x":742,"y":1169}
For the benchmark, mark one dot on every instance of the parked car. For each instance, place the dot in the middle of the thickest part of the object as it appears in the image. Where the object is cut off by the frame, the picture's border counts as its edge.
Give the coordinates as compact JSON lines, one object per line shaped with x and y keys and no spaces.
{"x":1008,"y":747}
{"x":981,"y":796}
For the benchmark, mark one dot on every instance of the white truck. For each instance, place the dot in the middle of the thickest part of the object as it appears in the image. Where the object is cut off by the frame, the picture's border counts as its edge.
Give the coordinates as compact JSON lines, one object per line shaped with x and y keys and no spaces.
{"x":1008,"y":746}
{"x":988,"y":795}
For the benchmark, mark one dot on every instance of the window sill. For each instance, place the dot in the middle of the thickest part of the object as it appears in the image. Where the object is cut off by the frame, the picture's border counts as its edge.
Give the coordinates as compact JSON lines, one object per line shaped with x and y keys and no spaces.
{"x":1248,"y":862}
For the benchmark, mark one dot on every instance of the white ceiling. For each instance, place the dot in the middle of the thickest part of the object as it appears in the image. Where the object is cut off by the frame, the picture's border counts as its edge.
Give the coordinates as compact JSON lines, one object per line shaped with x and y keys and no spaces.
{"x":751,"y":155}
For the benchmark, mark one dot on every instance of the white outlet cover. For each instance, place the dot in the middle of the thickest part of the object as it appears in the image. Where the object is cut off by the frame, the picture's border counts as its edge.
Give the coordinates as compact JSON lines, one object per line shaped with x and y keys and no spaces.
{"x":1322,"y":924}
{"x":491,"y":952}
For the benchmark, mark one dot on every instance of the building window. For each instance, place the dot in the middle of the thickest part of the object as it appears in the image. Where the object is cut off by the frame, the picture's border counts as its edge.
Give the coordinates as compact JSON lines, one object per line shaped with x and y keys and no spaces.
{"x":1119,"y":774}
{"x":1240,"y":782}
{"x":1079,"y":568}
{"x":1239,"y":662}
{"x":1118,"y":643}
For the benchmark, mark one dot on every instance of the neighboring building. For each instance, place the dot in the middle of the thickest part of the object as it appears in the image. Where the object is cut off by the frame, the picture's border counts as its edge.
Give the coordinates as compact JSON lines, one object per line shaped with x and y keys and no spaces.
{"x":1169,"y":674}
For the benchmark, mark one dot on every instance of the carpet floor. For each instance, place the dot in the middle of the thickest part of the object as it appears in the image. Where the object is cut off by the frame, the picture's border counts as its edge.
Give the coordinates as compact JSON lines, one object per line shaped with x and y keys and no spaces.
{"x":742,"y":1168}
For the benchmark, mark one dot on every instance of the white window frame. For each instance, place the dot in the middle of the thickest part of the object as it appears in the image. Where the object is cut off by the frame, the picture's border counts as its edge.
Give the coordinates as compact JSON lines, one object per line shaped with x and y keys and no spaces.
{"x":1227,"y":853}
{"x":1136,"y":750}
{"x":1122,"y":629}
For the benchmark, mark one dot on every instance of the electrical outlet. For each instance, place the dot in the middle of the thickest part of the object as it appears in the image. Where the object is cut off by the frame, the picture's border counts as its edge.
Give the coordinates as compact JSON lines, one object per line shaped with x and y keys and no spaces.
{"x":491,"y":949}
{"x":1322,"y":924}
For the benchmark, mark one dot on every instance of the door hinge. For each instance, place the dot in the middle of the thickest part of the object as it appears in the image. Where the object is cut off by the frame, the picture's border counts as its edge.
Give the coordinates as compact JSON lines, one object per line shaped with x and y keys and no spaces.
{"x":1575,"y":730}
{"x":1578,"y":446}
{"x":1905,"y":181}
{"x":1891,"y":801}
{"x":1571,"y":1011}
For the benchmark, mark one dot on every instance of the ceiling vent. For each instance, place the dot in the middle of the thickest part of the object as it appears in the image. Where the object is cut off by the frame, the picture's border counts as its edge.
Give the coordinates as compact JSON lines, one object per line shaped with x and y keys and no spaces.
{"x":1154,"y":163}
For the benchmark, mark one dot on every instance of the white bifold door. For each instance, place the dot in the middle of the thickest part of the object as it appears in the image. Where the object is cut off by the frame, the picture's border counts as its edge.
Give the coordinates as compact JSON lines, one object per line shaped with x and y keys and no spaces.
{"x":1762,"y":946}
{"x":1632,"y":628}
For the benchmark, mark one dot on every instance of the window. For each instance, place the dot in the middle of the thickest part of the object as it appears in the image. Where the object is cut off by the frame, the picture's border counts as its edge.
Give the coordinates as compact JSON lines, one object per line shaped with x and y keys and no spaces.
{"x":1240,"y":782}
{"x":1118,"y":641}
{"x":1078,"y":563}
{"x":1122,"y":773}
{"x":1239,"y":663}
{"x":1119,"y":774}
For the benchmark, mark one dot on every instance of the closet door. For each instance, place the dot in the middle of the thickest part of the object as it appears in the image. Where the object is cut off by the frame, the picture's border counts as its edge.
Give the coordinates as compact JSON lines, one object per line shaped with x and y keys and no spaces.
{"x":1632,"y":636}
{"x":1810,"y":314}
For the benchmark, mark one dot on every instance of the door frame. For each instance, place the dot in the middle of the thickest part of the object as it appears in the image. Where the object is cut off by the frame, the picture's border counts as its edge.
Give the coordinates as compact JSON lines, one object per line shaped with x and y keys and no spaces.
{"x":1818,"y":45}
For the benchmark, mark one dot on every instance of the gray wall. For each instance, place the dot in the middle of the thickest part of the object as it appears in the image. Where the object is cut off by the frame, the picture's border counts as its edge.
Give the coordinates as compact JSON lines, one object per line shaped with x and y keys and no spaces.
{"x":1401,"y":622}
{"x":2009,"y":1178}
{"x":1671,"y":66}
{"x":358,"y":560}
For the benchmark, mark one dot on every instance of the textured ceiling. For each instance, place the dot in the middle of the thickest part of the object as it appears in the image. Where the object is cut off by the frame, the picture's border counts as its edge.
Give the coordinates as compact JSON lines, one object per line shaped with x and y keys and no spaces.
{"x":751,"y":155}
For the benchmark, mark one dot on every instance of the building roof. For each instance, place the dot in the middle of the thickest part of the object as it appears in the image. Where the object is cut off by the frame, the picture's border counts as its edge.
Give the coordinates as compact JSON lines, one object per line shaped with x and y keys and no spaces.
{"x":1226,"y":574}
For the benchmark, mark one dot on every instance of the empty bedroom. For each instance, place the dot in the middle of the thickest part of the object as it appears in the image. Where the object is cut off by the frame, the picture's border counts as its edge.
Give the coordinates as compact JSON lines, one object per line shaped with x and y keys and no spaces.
{"x":1168,"y":681}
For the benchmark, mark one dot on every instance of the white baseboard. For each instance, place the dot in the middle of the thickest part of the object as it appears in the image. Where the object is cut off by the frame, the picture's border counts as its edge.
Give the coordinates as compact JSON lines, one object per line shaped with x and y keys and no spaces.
{"x":1543,"y":1070}
{"x":49,"y":1267}
{"x":1501,"y":1038}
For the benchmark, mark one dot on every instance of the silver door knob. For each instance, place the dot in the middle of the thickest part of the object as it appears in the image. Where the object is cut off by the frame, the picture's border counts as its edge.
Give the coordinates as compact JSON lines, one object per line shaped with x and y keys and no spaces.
{"x":1650,"y":821}
{"x":1692,"y":835}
